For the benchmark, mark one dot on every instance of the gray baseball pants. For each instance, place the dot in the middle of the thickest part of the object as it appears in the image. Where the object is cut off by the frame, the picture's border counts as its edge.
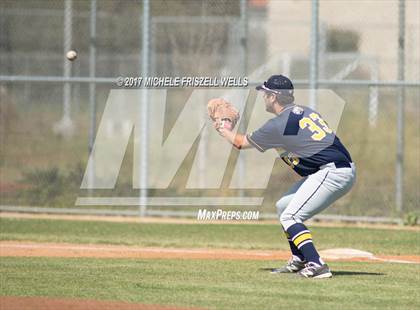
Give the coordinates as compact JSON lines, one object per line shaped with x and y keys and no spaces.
{"x":314,"y":193}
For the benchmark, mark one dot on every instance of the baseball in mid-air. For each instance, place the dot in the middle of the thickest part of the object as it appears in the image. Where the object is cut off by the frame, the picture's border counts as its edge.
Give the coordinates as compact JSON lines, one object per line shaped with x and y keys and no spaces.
{"x":71,"y":55}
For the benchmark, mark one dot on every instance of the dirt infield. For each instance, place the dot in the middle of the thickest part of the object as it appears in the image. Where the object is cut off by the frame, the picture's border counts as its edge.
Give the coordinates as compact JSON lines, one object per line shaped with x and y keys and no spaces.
{"x":44,"y":303}
{"x":31,"y":249}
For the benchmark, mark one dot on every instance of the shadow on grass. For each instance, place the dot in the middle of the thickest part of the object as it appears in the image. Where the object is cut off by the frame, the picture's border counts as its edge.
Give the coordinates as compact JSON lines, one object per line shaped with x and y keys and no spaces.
{"x":339,"y":273}
{"x":267,"y":269}
{"x":356,"y":273}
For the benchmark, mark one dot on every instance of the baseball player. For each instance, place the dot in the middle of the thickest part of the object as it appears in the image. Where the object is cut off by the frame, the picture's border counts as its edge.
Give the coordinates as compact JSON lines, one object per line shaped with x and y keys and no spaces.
{"x":314,"y":152}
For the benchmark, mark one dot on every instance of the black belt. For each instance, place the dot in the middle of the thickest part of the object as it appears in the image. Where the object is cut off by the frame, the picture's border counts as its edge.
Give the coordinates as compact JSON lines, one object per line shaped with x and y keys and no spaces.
{"x":337,"y":164}
{"x":342,"y":164}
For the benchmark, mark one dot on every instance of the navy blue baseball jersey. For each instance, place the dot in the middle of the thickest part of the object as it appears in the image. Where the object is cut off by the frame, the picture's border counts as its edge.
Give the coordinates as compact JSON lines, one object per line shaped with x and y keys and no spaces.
{"x":305,"y":137}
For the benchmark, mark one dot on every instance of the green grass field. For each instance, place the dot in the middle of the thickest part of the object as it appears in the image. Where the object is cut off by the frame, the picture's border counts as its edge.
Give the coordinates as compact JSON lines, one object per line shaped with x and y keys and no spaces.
{"x":213,"y":284}
{"x":377,"y":241}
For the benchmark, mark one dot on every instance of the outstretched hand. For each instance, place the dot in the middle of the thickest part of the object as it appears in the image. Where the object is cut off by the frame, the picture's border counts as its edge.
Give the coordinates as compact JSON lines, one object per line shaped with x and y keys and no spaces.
{"x":222,"y":131}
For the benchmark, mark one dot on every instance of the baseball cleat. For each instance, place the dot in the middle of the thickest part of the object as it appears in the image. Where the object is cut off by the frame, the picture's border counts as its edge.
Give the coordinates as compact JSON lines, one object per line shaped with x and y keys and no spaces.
{"x":291,"y":267}
{"x":315,"y":271}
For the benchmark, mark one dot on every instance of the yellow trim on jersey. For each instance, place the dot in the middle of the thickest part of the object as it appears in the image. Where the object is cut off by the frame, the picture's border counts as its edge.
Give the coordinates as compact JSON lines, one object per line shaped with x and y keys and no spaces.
{"x":302,"y":238}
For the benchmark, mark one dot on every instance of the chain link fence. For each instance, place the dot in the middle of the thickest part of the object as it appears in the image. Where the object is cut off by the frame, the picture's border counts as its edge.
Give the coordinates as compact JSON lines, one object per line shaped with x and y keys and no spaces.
{"x":51,"y":108}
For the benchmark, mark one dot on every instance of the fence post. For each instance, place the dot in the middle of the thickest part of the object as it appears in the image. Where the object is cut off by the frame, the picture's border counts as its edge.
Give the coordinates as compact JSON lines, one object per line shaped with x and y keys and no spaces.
{"x":313,"y":69}
{"x":399,"y":172}
{"x":244,"y":65}
{"x":144,"y":109}
{"x":92,"y":88}
{"x":65,"y":125}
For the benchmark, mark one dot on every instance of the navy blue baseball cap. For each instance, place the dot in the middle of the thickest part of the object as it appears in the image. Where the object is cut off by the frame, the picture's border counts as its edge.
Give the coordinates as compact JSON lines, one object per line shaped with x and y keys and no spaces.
{"x":278,"y":84}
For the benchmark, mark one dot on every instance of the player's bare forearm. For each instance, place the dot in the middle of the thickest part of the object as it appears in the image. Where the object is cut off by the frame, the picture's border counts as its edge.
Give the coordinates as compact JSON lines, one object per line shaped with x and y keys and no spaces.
{"x":237,"y":140}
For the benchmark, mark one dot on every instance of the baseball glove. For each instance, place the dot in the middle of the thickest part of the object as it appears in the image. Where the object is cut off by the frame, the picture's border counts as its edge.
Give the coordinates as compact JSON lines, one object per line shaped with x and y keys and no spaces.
{"x":222,"y":113}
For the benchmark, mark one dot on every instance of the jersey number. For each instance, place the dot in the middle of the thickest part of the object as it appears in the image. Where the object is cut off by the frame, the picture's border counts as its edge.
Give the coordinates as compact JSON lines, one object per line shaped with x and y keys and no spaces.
{"x":316,"y":125}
